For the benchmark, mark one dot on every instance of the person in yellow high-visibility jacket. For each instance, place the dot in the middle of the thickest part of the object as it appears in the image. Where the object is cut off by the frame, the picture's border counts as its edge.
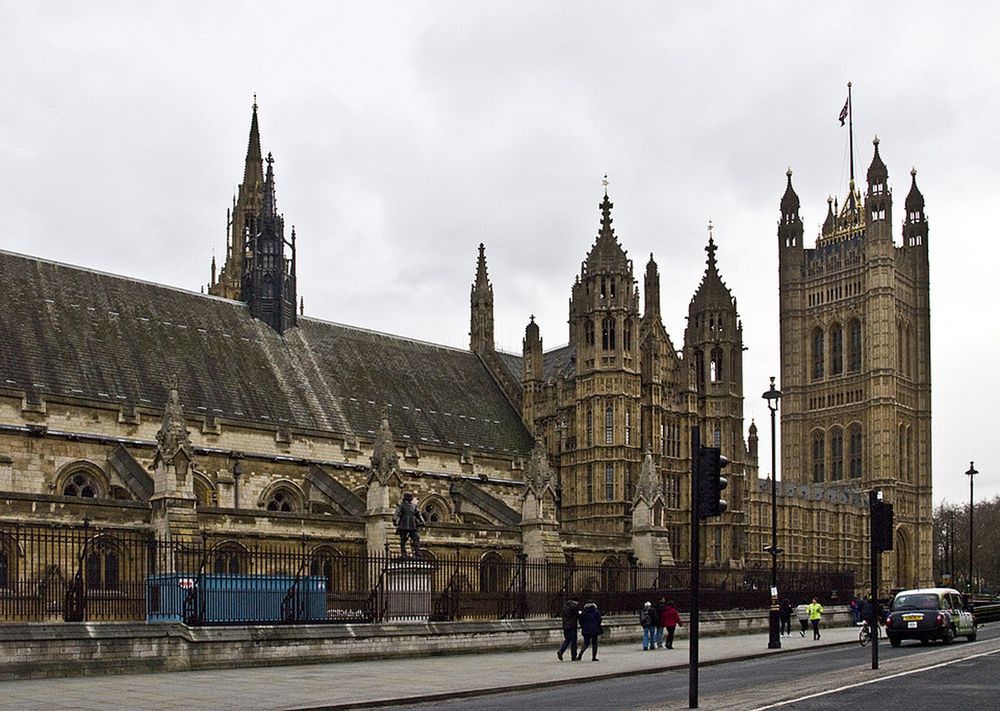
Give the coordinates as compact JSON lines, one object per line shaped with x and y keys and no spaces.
{"x":815,"y":611}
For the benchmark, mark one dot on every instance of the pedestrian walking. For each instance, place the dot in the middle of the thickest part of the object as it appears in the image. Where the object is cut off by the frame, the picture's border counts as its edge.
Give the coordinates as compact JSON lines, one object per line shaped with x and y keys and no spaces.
{"x":670,"y":619}
{"x":648,"y":621}
{"x":857,"y":605}
{"x":657,"y":615}
{"x":406,"y":519}
{"x":590,"y":626}
{"x":785,"y":616}
{"x":815,"y":613}
{"x":570,"y":621}
{"x":802,"y":614}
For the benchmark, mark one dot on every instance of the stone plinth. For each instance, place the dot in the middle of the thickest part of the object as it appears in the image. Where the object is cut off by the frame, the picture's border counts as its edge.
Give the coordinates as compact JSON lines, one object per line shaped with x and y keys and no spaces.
{"x":406,"y":591}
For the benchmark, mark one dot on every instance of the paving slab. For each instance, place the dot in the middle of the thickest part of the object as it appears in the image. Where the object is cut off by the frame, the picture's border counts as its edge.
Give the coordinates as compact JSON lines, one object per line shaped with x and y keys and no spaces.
{"x":369,"y":684}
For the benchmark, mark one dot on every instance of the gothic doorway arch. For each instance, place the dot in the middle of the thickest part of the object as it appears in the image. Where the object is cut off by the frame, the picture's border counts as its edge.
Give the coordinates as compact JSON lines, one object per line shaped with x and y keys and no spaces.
{"x":904,"y":560}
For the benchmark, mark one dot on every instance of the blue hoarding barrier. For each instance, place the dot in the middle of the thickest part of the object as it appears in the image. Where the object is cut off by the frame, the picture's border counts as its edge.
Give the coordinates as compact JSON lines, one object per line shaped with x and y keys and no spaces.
{"x":225,"y":598}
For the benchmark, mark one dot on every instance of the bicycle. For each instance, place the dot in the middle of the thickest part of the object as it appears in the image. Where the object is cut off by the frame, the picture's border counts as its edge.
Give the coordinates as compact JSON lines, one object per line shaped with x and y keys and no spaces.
{"x":865,"y":634}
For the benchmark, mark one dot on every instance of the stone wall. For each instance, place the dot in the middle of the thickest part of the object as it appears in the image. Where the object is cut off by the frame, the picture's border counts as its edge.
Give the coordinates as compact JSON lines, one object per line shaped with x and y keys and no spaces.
{"x":41,"y":650}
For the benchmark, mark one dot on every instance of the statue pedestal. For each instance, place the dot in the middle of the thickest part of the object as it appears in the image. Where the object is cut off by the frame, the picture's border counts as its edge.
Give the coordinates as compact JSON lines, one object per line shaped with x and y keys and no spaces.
{"x":406,"y":590}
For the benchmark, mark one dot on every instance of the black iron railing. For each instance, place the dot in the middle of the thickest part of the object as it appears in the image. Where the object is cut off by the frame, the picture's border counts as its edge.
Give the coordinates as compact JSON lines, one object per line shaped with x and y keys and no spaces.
{"x":62,"y":573}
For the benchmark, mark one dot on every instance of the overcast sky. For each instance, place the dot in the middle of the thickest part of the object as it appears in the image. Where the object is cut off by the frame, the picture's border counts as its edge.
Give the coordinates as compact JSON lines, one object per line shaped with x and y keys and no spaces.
{"x":405,"y":134}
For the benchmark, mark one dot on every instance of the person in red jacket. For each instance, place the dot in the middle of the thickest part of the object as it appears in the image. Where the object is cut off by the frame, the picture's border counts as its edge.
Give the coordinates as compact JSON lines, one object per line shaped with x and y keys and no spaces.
{"x":670,"y":619}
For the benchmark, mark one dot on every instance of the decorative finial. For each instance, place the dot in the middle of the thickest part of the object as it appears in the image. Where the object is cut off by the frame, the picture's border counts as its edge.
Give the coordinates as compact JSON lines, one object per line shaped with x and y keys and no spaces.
{"x":532,"y":318}
{"x":709,"y":230}
{"x":913,"y":171}
{"x":875,"y":142}
{"x":848,"y":85}
{"x":255,"y":101}
{"x":270,"y":159}
{"x":789,"y":172}
{"x":605,"y":184}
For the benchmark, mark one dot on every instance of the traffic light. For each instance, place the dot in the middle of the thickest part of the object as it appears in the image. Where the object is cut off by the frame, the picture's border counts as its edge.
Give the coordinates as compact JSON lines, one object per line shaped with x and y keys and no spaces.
{"x":882,"y":525}
{"x":711,"y":482}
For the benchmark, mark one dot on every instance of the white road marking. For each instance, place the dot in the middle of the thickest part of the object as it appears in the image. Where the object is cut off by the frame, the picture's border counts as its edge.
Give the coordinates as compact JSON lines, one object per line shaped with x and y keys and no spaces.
{"x":879,"y":680}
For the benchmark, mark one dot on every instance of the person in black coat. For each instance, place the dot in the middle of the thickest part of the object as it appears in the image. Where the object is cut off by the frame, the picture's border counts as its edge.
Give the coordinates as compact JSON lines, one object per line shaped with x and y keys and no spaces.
{"x":590,"y":625}
{"x":570,"y":621}
{"x":785,"y":616}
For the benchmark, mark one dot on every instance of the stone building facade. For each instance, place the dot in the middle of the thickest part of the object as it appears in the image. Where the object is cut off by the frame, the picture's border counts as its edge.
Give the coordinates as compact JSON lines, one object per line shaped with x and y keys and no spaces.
{"x":855,"y":365}
{"x":144,"y":406}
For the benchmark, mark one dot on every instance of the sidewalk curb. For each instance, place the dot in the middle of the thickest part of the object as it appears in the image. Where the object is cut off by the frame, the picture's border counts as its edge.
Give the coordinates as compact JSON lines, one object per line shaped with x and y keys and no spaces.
{"x":529,"y":686}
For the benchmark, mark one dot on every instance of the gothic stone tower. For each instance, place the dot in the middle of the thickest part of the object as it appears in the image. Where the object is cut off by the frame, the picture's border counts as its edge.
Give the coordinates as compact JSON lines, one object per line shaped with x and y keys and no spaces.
{"x":713,"y":347}
{"x":257,"y":270}
{"x":604,"y":329}
{"x":855,"y":360}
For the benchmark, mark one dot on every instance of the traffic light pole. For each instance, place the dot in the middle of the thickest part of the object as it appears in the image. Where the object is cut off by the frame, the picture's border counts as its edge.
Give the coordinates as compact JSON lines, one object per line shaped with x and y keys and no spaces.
{"x":876,"y":558}
{"x":695,"y":570}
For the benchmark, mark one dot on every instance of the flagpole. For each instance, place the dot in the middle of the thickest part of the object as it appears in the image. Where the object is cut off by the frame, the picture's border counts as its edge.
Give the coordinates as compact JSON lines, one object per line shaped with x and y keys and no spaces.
{"x":850,"y":131}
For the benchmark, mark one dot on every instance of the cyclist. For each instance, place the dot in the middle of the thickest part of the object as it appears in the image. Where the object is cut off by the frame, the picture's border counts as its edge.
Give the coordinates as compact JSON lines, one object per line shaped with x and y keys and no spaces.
{"x":869,"y":618}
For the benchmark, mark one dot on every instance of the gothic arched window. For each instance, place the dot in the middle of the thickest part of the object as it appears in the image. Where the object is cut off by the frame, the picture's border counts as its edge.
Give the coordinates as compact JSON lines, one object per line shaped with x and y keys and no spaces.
{"x":608,"y":333}
{"x":609,"y":482}
{"x":854,"y":346}
{"x":836,"y":349}
{"x":324,"y":564}
{"x":836,"y":454}
{"x":103,"y":564}
{"x":909,"y":454}
{"x":855,"y":451}
{"x":817,"y":353}
{"x":611,"y":575}
{"x":230,"y":558}
{"x":609,"y":425}
{"x":819,"y":457}
{"x":908,"y":347}
{"x":491,"y":577}
{"x":901,"y":451}
{"x":80,"y":484}
{"x":627,"y":335}
{"x":716,"y":365}
{"x":282,"y":498}
{"x":588,"y":332}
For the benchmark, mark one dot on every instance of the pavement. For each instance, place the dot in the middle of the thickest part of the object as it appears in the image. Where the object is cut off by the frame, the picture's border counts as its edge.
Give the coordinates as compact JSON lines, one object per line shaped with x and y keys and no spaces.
{"x":371,"y":684}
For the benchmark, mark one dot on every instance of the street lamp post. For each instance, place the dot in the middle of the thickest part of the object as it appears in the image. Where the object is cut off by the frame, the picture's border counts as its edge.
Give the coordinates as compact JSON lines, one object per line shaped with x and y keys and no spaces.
{"x":774,"y":630}
{"x":972,"y":505}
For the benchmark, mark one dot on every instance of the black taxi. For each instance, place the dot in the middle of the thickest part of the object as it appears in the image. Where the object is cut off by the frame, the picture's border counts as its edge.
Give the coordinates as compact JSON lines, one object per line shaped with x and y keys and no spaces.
{"x":929,"y":613}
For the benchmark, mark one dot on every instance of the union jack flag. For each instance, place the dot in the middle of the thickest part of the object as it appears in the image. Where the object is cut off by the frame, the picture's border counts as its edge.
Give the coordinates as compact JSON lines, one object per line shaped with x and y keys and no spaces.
{"x":843,"y":111}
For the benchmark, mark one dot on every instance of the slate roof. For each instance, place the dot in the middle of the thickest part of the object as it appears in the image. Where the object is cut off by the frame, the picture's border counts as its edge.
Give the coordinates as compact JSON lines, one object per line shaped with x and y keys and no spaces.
{"x":68,"y":331}
{"x":558,"y":363}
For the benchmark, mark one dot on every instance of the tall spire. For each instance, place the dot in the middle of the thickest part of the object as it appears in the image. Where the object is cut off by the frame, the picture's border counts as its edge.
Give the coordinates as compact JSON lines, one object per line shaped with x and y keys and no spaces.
{"x":606,"y":254}
{"x":245,"y":211}
{"x":651,"y":286}
{"x":481,"y":308}
{"x":252,"y":173}
{"x":711,"y":248}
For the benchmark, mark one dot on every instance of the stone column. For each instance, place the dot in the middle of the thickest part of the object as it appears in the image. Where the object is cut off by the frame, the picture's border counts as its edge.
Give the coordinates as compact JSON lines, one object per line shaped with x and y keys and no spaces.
{"x":173,"y":500}
{"x":383,"y":478}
